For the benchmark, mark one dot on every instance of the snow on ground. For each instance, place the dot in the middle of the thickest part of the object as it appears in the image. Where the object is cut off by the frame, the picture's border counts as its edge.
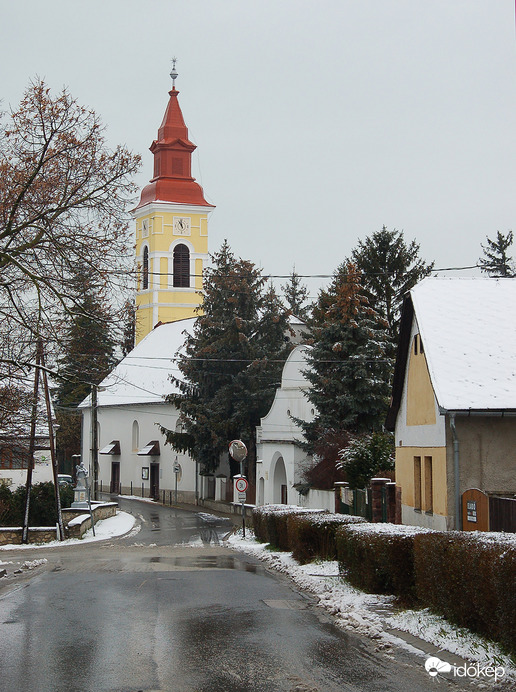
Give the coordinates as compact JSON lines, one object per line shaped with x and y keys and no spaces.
{"x":111,"y":527}
{"x":139,"y":497}
{"x":373,"y":615}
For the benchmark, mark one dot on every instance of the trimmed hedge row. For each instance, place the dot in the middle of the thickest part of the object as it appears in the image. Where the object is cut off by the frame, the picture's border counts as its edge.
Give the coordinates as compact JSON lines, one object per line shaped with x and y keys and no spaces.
{"x":314,"y":535}
{"x":270,"y":523}
{"x":379,"y":558}
{"x":471,"y":580}
{"x":468,"y":578}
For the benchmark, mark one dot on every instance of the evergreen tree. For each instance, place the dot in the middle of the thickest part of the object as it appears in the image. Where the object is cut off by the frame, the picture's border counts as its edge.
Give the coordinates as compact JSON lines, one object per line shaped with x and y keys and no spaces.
{"x":365,"y":456}
{"x":496,"y":261}
{"x":349,"y":369}
{"x":89,"y":356}
{"x":232,"y":362}
{"x":296,"y":295}
{"x":129,"y":327}
{"x":390,"y":268}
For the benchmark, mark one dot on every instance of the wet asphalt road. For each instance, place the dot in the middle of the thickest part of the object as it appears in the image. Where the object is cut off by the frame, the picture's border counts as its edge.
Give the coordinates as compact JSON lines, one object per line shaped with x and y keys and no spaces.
{"x":172,"y":609}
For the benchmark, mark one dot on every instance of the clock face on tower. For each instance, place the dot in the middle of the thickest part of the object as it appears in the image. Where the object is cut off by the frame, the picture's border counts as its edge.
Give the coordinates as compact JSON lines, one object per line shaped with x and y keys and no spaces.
{"x":181,"y":225}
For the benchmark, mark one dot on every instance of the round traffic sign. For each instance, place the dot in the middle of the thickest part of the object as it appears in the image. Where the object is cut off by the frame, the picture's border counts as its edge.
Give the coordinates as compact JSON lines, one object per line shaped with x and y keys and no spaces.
{"x":241,"y":485}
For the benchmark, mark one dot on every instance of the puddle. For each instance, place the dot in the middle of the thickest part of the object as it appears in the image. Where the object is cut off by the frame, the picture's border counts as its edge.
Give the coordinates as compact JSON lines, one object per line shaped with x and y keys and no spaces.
{"x":208,"y":562}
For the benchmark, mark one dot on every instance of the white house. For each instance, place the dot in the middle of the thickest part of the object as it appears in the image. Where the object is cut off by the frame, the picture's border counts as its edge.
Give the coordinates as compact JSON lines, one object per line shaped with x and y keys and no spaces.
{"x":15,"y":437}
{"x":131,"y":407}
{"x":281,"y":458}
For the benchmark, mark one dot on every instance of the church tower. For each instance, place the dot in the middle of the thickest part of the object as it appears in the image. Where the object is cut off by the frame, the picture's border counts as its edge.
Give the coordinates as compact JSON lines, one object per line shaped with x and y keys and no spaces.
{"x":171,"y":228}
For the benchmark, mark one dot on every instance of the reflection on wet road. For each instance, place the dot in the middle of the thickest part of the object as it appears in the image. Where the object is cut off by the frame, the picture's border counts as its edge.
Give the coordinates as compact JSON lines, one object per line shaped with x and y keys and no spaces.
{"x":171,"y":526}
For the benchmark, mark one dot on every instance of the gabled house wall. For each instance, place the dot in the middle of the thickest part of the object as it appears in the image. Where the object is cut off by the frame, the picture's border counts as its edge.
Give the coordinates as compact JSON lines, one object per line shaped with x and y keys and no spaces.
{"x":420,"y":435}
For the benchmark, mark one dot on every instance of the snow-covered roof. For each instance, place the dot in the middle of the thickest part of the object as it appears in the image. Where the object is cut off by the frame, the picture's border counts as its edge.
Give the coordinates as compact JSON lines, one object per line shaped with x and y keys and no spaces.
{"x":142,"y":377}
{"x":468,"y":329}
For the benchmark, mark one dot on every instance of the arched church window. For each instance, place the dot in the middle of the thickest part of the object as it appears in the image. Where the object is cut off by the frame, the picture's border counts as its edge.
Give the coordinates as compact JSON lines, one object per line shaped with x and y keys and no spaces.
{"x":181,"y":267}
{"x":145,"y":277}
{"x":136,"y":436}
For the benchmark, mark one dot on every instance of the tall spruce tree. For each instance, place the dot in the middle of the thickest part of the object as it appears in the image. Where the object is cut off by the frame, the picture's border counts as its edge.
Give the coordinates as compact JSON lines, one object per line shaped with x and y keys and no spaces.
{"x":296,"y":296}
{"x":349,"y":366}
{"x":496,"y":260}
{"x":232,"y":362}
{"x":88,"y":357}
{"x":390,"y":267}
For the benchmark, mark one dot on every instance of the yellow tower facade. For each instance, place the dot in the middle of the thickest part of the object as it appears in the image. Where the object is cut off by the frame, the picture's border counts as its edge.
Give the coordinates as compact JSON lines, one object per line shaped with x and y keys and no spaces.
{"x":171,"y":229}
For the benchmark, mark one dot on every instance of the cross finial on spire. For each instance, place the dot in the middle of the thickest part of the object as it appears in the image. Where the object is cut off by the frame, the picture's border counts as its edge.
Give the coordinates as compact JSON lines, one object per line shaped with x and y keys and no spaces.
{"x":173,"y":73}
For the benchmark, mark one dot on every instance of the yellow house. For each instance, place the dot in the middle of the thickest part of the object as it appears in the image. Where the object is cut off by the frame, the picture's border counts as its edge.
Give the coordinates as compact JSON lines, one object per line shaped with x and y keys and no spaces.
{"x":171,"y":229}
{"x":453,"y":407}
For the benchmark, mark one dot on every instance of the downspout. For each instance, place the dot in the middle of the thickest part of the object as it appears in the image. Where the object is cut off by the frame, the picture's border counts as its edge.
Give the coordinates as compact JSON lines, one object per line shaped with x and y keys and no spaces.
{"x":458,"y":512}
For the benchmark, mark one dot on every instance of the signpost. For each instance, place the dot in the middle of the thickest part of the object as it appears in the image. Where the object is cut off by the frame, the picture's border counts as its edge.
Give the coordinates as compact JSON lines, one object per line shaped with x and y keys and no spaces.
{"x":238,"y":451}
{"x":177,"y":471}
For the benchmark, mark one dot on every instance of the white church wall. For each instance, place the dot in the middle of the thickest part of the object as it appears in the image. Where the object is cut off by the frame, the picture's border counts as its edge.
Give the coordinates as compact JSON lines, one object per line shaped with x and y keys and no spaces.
{"x":134,"y":427}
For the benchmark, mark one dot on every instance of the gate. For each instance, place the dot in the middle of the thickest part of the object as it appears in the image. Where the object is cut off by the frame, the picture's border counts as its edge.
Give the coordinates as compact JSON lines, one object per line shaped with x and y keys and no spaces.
{"x":362,"y":503}
{"x":502,"y":514}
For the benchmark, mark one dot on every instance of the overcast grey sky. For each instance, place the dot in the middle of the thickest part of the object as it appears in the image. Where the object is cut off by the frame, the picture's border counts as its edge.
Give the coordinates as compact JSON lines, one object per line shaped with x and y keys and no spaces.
{"x":316,"y":122}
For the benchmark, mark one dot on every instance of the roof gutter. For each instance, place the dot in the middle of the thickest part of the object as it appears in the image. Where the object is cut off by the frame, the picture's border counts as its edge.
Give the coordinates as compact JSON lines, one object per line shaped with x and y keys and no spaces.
{"x":487,"y":412}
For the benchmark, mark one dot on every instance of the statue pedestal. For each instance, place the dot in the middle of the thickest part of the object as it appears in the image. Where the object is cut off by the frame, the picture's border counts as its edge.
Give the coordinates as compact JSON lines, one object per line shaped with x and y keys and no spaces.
{"x":80,"y":498}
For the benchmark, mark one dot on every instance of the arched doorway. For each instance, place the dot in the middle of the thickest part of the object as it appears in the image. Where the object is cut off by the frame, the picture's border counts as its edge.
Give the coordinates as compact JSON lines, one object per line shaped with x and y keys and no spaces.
{"x":279,"y":483}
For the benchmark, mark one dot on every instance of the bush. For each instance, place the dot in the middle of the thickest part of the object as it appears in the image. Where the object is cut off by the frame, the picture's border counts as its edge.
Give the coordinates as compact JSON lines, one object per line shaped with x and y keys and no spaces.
{"x":470,"y":580}
{"x":312,"y":536}
{"x":379,"y":558}
{"x":42,"y":508}
{"x":270,"y":523}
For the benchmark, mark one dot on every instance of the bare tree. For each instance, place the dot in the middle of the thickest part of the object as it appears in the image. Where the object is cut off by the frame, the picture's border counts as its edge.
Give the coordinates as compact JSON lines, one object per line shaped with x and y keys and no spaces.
{"x":63,"y":201}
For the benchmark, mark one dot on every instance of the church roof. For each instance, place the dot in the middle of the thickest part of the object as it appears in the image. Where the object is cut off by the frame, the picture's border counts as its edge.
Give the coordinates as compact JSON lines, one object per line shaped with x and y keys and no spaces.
{"x":468,"y":330}
{"x":142,"y":377}
{"x":172,"y":150}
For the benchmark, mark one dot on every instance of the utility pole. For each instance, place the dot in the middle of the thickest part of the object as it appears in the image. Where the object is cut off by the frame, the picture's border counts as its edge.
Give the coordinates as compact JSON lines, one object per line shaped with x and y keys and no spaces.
{"x":52,"y":449}
{"x":32,"y":443}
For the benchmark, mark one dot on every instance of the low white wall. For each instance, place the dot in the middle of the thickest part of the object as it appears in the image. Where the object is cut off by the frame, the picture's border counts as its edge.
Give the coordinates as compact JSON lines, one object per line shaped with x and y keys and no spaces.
{"x":318,"y":499}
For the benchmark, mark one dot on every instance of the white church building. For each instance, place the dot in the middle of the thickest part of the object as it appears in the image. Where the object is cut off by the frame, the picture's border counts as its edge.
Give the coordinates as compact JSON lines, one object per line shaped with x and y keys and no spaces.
{"x":131,"y":408}
{"x":171,"y":234}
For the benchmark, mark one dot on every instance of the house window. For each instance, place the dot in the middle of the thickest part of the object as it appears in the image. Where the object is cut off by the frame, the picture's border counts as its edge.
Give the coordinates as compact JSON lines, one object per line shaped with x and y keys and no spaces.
{"x":136,"y":436}
{"x":14,"y":457}
{"x":181,"y":267}
{"x":421,"y":349}
{"x":429,"y":498}
{"x":415,"y":345}
{"x":417,"y":483}
{"x":145,"y":279}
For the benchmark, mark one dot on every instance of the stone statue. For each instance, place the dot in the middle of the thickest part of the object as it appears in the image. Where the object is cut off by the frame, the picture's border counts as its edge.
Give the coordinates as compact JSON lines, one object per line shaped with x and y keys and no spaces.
{"x":81,"y":473}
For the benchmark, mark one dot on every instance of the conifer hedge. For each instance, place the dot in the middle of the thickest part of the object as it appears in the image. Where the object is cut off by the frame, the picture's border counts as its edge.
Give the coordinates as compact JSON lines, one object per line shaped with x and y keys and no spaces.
{"x":469,"y":578}
{"x":313,"y":536}
{"x":379,"y":558}
{"x":270,"y":523}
